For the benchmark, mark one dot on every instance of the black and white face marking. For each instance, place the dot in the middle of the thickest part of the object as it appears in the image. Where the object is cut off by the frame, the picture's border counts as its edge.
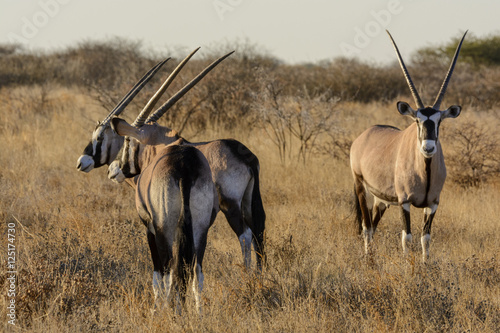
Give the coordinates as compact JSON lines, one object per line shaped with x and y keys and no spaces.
{"x":128,"y":165}
{"x":85,"y":162}
{"x":115,"y":172}
{"x":130,"y":158}
{"x":101,"y":150}
{"x":428,"y":121}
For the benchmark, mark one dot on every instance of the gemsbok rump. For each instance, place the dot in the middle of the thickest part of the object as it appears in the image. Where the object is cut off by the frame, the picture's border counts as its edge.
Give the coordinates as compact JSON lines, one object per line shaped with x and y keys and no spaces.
{"x":402,"y":167}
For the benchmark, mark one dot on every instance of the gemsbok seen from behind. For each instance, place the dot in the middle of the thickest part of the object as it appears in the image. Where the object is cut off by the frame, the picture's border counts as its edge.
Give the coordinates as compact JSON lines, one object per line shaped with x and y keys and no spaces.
{"x":177,"y":202}
{"x":402,"y":167}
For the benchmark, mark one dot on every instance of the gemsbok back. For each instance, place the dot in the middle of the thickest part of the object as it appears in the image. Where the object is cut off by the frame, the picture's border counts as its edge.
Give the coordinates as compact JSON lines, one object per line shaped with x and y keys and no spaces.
{"x":402,"y":167}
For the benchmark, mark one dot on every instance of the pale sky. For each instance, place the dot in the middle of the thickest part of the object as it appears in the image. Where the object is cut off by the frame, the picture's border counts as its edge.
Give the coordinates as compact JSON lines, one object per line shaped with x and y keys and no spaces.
{"x":293,"y":31}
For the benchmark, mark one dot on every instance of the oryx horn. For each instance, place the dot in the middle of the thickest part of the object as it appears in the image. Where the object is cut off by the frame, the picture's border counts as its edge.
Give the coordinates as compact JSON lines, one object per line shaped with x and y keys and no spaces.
{"x":168,"y":104}
{"x":413,"y":90}
{"x":442,"y":91}
{"x":134,"y":91}
{"x":141,"y":118}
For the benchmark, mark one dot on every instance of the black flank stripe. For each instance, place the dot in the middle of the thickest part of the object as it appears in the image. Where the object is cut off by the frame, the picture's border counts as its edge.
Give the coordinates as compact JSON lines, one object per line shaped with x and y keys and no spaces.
{"x":135,"y":152}
{"x":428,"y":162}
{"x":97,"y":156}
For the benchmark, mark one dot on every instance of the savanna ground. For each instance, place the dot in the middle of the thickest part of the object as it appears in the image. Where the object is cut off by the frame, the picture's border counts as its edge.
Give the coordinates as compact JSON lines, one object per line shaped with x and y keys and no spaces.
{"x":82,"y":259}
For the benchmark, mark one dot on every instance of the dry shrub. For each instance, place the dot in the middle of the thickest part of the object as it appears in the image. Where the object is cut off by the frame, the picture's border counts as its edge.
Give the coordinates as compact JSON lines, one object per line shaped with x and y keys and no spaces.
{"x":474,"y":157}
{"x":285,"y":119}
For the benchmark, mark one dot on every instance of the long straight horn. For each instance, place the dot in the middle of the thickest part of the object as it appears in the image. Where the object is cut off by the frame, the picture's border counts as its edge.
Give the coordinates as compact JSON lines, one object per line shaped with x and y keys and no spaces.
{"x":141,"y":118}
{"x":168,"y":104}
{"x":134,"y":91}
{"x":442,"y":91}
{"x":413,"y":90}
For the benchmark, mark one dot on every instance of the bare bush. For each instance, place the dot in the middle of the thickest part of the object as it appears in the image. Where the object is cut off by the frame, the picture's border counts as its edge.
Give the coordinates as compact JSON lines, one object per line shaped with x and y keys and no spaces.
{"x":337,"y":144}
{"x":303,"y":117}
{"x":271,"y":115}
{"x":226,"y":94}
{"x":476,"y":155}
{"x":311,"y":117}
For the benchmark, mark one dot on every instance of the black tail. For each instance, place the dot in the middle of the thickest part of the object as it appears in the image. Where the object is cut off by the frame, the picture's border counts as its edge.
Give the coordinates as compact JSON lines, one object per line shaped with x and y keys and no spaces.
{"x":258,"y":216}
{"x":184,"y":252}
{"x":357,"y":211}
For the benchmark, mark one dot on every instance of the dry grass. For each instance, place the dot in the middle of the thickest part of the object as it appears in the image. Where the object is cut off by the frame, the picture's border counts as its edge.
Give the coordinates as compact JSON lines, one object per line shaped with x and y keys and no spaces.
{"x":83,"y":262}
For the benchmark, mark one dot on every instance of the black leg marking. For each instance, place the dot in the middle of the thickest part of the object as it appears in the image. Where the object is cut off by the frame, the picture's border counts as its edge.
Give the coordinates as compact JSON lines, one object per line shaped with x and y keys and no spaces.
{"x":406,"y":233}
{"x":405,"y":219}
{"x":428,"y":223}
{"x":365,"y":212}
{"x":426,"y":233}
{"x":367,"y":230}
{"x":154,"y":253}
{"x":378,"y":212}
{"x":358,"y":217}
{"x":233,"y":215}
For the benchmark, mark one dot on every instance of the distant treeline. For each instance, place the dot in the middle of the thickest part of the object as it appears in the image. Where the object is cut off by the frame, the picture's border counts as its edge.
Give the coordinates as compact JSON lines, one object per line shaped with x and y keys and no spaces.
{"x":297,"y":106}
{"x":112,"y":66}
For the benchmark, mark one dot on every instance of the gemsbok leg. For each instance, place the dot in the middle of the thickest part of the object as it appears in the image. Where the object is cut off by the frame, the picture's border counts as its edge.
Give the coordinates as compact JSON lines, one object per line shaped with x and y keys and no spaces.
{"x":406,"y":233}
{"x":158,"y":269}
{"x":366,"y":224}
{"x":379,"y":209}
{"x":429,"y":213}
{"x":233,"y":214}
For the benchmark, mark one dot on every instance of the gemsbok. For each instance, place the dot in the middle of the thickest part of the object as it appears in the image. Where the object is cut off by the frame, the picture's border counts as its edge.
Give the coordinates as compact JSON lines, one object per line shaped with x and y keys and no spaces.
{"x":235,"y":172}
{"x":177,"y":201}
{"x":106,"y":144}
{"x":402,"y":167}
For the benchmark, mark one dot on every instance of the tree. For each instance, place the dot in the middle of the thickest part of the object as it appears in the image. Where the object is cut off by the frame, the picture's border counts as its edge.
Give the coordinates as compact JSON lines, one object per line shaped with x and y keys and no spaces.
{"x":475,"y":50}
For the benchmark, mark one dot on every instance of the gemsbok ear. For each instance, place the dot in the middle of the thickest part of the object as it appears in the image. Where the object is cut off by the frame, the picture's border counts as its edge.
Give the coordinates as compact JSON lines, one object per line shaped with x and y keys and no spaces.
{"x":405,"y":109}
{"x":452,"y":112}
{"x":122,"y":128}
